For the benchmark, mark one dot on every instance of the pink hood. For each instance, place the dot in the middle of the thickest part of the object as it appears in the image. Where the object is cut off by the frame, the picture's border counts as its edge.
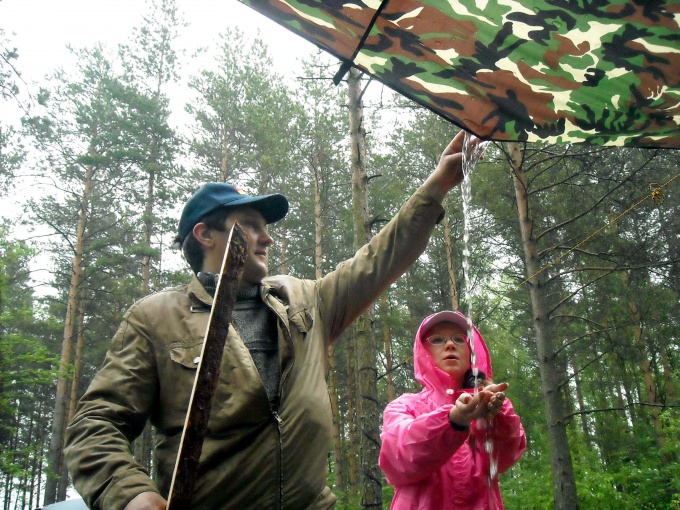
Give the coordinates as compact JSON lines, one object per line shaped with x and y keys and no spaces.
{"x":433,"y":378}
{"x":431,"y":465}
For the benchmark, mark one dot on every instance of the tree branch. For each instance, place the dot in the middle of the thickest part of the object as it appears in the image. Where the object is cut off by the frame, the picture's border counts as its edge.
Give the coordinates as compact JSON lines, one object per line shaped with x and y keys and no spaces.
{"x":622,"y":408}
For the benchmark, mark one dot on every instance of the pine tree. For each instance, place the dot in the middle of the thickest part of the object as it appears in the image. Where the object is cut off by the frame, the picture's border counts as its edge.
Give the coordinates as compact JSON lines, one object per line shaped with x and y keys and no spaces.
{"x":82,"y":141}
{"x":26,"y":376}
{"x":324,"y":135}
{"x":150,"y":63}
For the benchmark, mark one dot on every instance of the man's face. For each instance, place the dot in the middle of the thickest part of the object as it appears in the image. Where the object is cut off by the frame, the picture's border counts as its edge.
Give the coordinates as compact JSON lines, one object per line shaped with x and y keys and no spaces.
{"x":259,"y":241}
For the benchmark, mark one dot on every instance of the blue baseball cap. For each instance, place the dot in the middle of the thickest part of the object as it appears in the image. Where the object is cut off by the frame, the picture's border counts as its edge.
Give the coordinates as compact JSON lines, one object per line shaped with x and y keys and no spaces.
{"x":215,"y":195}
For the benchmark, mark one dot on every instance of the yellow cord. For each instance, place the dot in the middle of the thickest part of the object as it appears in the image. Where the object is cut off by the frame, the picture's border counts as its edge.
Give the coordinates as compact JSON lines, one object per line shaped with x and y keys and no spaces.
{"x":656,"y":194}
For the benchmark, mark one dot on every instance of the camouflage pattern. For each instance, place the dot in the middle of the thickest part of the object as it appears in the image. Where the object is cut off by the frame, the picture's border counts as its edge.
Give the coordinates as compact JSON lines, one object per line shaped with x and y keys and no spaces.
{"x":564,"y":71}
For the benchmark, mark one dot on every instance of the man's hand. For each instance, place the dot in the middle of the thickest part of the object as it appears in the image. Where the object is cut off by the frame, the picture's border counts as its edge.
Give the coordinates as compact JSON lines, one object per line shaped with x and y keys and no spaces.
{"x":147,"y":501}
{"x":449,"y":171}
{"x":485,"y":404}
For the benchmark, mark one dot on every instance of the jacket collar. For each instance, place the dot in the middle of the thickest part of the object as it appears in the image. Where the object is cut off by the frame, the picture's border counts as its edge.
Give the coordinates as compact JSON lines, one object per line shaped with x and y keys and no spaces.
{"x":197,"y":292}
{"x":269,"y":290}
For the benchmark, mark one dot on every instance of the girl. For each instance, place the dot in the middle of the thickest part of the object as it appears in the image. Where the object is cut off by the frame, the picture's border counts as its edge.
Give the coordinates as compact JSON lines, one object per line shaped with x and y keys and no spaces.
{"x":433,"y":441}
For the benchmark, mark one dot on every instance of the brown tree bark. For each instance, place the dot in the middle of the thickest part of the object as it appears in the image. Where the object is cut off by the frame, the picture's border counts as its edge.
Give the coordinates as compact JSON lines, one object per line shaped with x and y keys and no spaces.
{"x":332,"y":361}
{"x":371,"y":479}
{"x":552,"y":369}
{"x":73,"y":397}
{"x":668,"y":377}
{"x":77,"y":360}
{"x":453,"y":282}
{"x":352,"y":416}
{"x":385,"y":305}
{"x":55,"y":454}
{"x":645,"y":365}
{"x":581,"y":402}
{"x":224,"y":161}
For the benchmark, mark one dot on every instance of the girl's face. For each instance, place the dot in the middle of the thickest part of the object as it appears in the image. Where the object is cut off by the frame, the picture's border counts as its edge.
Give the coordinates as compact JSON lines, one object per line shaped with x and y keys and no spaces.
{"x":449,"y":347}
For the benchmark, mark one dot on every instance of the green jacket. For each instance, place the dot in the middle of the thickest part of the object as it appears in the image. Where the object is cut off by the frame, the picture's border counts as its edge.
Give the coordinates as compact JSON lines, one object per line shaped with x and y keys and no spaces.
{"x":253,"y":456}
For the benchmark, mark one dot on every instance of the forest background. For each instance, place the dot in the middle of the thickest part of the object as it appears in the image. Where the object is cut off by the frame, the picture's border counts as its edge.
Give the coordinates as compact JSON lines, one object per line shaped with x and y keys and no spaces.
{"x":575,"y":257}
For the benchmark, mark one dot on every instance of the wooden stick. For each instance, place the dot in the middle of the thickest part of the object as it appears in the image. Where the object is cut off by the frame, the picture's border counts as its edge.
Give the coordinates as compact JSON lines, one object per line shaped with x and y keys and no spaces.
{"x":207,"y":374}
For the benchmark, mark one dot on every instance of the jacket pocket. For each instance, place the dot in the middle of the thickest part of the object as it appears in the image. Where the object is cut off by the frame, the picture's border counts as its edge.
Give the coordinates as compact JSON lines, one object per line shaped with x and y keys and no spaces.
{"x":301,"y":318}
{"x":186,"y":355}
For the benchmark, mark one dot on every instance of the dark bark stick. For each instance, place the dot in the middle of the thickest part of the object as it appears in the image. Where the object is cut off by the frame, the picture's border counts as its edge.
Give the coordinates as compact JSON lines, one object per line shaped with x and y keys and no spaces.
{"x":196,"y":424}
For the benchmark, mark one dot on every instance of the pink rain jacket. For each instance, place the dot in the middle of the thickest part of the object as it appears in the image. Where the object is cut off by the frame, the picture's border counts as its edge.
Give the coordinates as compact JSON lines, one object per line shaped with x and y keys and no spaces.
{"x":432,"y":466}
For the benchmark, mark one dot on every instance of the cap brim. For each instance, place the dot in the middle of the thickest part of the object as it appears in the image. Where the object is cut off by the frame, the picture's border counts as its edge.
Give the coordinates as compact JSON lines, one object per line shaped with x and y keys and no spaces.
{"x":272,"y":207}
{"x":447,"y":316}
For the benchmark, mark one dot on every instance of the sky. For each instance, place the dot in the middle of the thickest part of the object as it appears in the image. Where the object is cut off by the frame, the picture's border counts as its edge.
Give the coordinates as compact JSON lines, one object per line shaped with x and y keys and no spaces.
{"x":42,"y":29}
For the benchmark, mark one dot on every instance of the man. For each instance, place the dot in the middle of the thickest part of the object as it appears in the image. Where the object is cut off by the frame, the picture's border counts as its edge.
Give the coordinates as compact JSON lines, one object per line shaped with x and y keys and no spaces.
{"x":269,"y":430}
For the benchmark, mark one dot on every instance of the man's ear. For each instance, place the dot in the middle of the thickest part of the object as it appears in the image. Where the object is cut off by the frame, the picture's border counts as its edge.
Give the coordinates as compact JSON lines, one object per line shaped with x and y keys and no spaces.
{"x":203,"y":234}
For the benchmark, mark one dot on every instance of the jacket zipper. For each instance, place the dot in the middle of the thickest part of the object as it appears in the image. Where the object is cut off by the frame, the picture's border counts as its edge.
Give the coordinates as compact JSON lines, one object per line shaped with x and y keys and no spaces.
{"x":274,"y":412}
{"x":277,"y":418}
{"x":279,"y":422}
{"x":284,"y":376}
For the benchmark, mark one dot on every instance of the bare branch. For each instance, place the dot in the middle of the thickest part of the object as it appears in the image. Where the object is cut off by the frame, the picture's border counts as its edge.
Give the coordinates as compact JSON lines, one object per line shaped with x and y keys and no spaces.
{"x":622,"y":408}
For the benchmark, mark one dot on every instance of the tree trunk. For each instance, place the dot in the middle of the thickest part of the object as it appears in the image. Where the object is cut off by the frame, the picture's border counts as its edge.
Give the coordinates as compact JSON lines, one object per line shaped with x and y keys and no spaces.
{"x":581,"y":402}
{"x":385,"y":304}
{"x":668,"y":373}
{"x":629,"y":390}
{"x":551,"y":370}
{"x":4,"y":414}
{"x":284,"y":247}
{"x":148,"y":231}
{"x":352,"y":416}
{"x":224,"y":162}
{"x":645,"y":366}
{"x":29,"y":467}
{"x":71,"y":404}
{"x":34,"y":493}
{"x":335,"y":410}
{"x":453,"y":282}
{"x":55,"y":454}
{"x":40,"y":460}
{"x":77,"y":360}
{"x":371,"y":482}
{"x":332,"y":361}
{"x":7,"y":486}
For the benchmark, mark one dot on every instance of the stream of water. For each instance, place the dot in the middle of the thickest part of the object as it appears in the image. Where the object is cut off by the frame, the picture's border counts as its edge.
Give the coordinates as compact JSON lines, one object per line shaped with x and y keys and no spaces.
{"x":472,"y":153}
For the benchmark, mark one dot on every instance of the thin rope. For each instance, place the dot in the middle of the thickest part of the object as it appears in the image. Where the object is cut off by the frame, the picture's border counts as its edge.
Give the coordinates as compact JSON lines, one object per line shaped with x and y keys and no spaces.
{"x":655,"y":194}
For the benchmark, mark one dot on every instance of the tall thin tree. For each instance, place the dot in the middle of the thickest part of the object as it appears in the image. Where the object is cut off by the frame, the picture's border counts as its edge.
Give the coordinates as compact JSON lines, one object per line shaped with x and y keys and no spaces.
{"x":371,"y":482}
{"x":552,"y":373}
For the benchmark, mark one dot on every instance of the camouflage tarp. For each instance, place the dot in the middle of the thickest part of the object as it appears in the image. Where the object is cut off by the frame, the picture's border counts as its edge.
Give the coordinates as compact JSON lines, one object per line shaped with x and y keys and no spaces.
{"x":565,"y":71}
